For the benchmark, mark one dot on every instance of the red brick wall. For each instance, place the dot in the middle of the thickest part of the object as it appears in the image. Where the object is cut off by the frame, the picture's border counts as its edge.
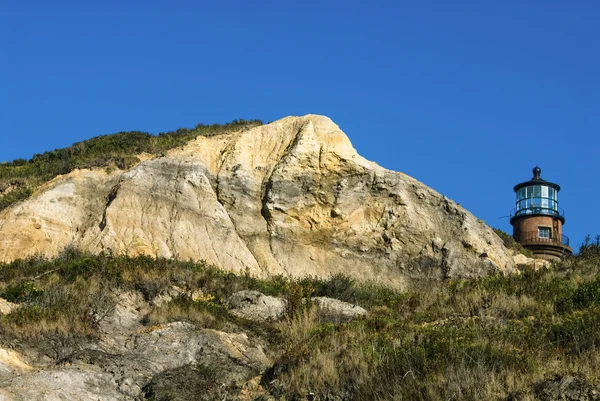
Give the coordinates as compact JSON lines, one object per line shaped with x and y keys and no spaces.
{"x":531,"y":224}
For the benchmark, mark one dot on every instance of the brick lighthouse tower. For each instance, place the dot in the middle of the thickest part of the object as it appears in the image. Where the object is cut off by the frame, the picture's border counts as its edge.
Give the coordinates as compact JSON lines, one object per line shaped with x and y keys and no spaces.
{"x":537,"y":220}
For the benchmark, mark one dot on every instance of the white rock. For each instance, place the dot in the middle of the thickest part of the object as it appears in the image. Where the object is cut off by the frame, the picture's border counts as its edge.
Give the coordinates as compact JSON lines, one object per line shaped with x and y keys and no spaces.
{"x":253,"y":305}
{"x":291,"y":197}
{"x":6,"y":307}
{"x":336,"y":311}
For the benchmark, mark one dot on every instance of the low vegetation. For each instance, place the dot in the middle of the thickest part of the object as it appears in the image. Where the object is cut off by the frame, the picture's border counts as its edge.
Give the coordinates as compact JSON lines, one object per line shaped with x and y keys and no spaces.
{"x":493,"y":338}
{"x":510,"y":243}
{"x":19,"y":177}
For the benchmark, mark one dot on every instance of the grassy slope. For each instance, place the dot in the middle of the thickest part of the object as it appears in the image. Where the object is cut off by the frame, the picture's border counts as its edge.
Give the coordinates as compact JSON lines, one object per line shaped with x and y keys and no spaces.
{"x":19,"y":178}
{"x":485,"y":339}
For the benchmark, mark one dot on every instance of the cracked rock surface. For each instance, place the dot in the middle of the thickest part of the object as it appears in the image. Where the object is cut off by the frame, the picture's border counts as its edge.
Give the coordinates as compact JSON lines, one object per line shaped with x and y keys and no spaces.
{"x":129,"y":358}
{"x":292,"y":197}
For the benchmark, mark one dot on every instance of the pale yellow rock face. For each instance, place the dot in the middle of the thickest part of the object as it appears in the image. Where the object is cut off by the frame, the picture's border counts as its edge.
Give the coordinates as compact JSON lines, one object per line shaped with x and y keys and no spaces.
{"x":525,"y":263}
{"x":292,"y":197}
{"x":12,"y":362}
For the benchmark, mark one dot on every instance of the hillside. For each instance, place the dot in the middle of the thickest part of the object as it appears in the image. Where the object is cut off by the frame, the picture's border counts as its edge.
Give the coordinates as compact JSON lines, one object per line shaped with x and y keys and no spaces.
{"x":19,"y":178}
{"x":292,"y":197}
{"x":272,"y":262}
{"x":121,"y":328}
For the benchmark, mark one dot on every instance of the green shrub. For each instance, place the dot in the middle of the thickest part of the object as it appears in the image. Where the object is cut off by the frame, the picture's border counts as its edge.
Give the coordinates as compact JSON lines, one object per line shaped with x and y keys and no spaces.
{"x":22,"y":292}
{"x":488,"y":338}
{"x":577,"y":332}
{"x":118,"y":150}
{"x":14,"y":196}
{"x":587,"y":294}
{"x":510,"y":243}
{"x":188,"y":382}
{"x":590,"y":248}
{"x":337,"y":286}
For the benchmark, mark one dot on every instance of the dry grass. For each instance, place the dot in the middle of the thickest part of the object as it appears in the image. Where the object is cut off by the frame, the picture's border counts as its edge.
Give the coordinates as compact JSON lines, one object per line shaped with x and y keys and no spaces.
{"x":297,"y":328}
{"x":492,"y":338}
{"x":19,"y":178}
{"x":487,"y":339}
{"x":69,"y":296}
{"x":63,"y":310}
{"x":180,"y":311}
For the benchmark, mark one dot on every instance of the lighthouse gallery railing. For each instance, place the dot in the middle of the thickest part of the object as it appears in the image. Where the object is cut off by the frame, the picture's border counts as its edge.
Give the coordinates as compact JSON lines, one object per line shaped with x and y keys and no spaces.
{"x":534,"y":237}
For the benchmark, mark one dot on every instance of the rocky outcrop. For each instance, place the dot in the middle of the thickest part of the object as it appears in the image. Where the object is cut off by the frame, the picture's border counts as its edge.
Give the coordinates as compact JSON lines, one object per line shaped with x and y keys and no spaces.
{"x":253,"y":305}
{"x":258,"y":307}
{"x":6,"y":307}
{"x":525,"y":263}
{"x":129,"y":361}
{"x":336,"y":311}
{"x":566,"y":388}
{"x":12,"y":362}
{"x":292,"y":197}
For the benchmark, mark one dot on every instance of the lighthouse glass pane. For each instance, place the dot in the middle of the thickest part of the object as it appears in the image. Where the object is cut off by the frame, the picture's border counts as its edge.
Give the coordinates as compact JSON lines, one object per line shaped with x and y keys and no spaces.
{"x":525,"y":206}
{"x":524,"y":200}
{"x":545,"y":204}
{"x":555,"y":200}
{"x":536,"y":200}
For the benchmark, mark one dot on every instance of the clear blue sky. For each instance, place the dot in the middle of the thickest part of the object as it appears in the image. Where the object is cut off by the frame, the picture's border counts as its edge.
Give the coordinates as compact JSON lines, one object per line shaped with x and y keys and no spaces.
{"x":465,"y":96}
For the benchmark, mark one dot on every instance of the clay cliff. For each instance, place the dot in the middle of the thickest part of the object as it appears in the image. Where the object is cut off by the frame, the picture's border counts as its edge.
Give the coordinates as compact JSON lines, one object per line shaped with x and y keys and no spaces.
{"x":292,"y":197}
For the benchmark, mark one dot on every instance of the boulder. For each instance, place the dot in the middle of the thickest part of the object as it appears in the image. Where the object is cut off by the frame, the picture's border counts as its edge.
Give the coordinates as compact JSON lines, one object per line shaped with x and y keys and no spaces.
{"x":336,"y":311}
{"x":255,"y":306}
{"x":6,"y":307}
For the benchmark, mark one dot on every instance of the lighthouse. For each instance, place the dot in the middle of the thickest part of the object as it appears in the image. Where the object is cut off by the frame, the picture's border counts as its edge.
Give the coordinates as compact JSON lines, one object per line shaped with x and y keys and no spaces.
{"x":537,"y":220}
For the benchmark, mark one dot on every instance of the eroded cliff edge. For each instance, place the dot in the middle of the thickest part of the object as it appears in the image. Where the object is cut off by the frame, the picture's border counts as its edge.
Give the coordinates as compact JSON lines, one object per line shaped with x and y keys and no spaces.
{"x":292,"y":197}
